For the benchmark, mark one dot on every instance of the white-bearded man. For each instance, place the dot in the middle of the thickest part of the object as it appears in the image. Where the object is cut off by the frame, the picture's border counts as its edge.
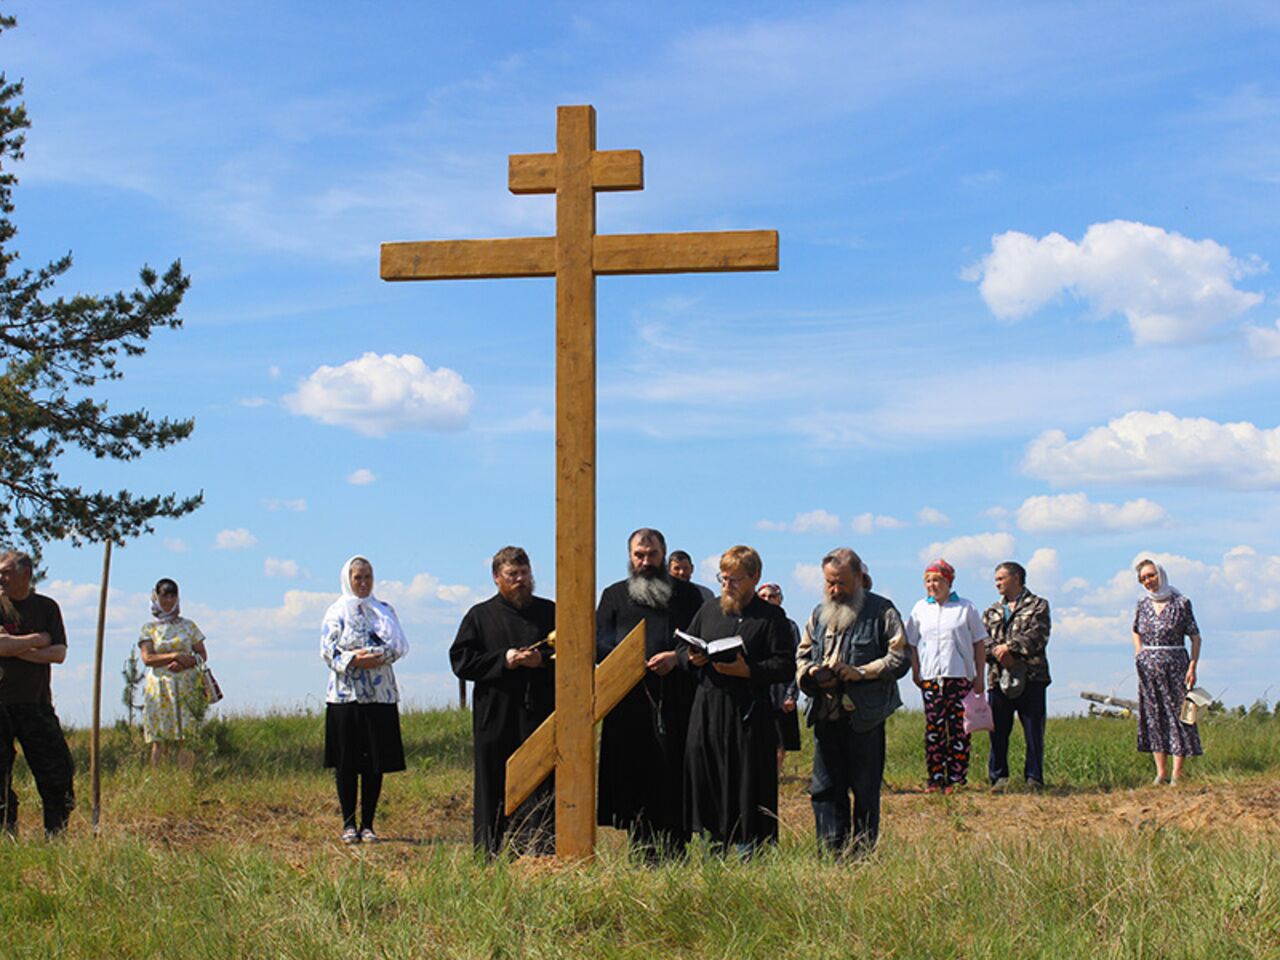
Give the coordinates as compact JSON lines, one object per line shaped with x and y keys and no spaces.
{"x":642,"y":739}
{"x":852,"y":652}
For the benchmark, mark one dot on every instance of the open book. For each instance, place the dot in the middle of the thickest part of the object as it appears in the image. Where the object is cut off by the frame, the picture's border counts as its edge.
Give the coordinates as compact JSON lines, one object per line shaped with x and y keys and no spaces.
{"x":721,"y":651}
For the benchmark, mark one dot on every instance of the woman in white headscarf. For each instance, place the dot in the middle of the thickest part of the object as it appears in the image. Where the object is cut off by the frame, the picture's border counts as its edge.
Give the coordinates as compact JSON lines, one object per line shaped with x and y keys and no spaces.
{"x":1165,"y":671}
{"x":171,"y":647}
{"x":359,"y":640}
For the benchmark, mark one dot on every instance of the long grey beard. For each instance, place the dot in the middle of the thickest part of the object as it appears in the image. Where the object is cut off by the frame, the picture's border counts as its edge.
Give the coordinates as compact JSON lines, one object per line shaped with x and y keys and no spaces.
{"x":838,"y":615}
{"x":650,"y":591}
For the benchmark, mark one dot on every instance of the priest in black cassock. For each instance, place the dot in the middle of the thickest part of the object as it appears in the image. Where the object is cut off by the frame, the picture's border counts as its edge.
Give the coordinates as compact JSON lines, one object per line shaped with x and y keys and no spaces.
{"x":643,"y":738}
{"x":501,"y":646}
{"x":731,"y":773}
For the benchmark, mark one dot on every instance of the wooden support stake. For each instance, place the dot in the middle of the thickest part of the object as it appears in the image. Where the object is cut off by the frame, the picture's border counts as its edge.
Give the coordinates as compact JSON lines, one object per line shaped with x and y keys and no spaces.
{"x":95,"y":784}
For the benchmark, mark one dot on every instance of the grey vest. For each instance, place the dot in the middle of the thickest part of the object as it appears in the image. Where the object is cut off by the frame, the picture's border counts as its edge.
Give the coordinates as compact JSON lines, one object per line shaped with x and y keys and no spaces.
{"x":872,"y":700}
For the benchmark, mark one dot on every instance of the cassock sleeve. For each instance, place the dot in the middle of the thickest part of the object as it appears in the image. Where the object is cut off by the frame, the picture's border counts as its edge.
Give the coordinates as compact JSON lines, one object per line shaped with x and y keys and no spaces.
{"x":468,"y":655}
{"x":682,"y":647}
{"x":606,"y":627}
{"x":779,"y":663}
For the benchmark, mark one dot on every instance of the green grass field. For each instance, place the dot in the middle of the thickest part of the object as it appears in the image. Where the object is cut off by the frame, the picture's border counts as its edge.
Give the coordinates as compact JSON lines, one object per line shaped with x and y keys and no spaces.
{"x":238,"y":858}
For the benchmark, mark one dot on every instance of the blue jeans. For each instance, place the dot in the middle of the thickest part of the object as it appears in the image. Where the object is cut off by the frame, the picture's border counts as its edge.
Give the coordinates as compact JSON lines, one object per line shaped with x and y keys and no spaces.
{"x":845,"y":761}
{"x":1030,"y":708}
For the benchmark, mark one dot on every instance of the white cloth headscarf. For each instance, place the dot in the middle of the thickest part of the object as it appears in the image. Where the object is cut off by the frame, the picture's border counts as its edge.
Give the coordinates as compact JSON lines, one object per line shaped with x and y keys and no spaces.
{"x":1163,"y":590}
{"x":158,"y":613}
{"x":352,"y":605}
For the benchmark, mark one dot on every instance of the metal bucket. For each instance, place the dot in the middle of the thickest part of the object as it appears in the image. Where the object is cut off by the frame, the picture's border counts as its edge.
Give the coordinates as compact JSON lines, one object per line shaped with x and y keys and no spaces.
{"x":1195,"y":701}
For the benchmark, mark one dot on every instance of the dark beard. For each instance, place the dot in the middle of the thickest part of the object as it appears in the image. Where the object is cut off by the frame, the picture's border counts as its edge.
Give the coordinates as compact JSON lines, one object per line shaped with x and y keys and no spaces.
{"x":650,"y":589}
{"x":839,"y":615}
{"x":519,"y":597}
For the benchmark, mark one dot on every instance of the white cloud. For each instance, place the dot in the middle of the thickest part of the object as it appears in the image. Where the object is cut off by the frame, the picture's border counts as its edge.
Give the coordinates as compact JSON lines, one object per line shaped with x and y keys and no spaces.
{"x":1168,"y":287}
{"x":1159,"y":447}
{"x":1264,"y":341}
{"x":252,"y":402}
{"x":175,"y":545}
{"x":294,"y":506}
{"x":238,"y":539}
{"x":980,"y":549}
{"x":376,"y":395}
{"x":274,"y":567}
{"x":361,"y":477}
{"x":1072,"y":625}
{"x":425,"y":588}
{"x":1042,"y":569}
{"x":865,"y":523}
{"x":1075,"y":513}
{"x":933,"y":517}
{"x":808,"y":578}
{"x":273,"y":372}
{"x":815,"y":521}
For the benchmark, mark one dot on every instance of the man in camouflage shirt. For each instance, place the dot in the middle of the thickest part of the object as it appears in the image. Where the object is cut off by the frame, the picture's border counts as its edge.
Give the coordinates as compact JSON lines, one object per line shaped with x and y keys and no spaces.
{"x":1017,"y":672}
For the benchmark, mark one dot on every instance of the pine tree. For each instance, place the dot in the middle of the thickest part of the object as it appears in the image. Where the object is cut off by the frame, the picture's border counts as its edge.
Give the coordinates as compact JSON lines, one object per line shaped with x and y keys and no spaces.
{"x":133,"y":675}
{"x":52,"y":353}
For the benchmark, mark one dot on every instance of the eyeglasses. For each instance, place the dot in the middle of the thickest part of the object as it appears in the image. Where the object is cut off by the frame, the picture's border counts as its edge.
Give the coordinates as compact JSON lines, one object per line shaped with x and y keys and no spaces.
{"x":730,"y":582}
{"x":513,"y":576}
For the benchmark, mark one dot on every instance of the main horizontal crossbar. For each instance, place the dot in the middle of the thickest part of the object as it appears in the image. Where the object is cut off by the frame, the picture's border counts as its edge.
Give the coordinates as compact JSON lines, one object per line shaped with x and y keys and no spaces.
{"x":612,"y":255}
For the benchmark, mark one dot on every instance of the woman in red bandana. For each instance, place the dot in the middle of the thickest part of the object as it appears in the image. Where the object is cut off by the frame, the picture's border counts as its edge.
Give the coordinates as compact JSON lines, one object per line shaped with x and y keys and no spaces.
{"x":945,"y":634}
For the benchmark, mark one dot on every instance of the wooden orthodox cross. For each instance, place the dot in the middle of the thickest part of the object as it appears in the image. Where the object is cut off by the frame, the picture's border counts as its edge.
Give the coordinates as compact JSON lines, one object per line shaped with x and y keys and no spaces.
{"x":575,"y":256}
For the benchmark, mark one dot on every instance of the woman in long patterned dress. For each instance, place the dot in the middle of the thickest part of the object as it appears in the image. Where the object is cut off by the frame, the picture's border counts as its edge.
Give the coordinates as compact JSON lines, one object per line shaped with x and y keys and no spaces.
{"x":1165,"y":671}
{"x":359,"y":639}
{"x":171,"y":647}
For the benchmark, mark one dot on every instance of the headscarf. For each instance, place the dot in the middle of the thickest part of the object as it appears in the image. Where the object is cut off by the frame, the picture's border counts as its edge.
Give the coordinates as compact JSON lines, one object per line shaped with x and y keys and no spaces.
{"x":158,"y":613}
{"x":1163,"y":590}
{"x":347,"y":592}
{"x":946,"y":571}
{"x":770,"y":588}
{"x":941,"y":566}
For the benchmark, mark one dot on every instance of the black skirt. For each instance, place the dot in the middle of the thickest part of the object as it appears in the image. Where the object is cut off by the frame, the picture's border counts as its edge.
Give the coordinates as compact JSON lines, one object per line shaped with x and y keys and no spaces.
{"x":364,"y":734}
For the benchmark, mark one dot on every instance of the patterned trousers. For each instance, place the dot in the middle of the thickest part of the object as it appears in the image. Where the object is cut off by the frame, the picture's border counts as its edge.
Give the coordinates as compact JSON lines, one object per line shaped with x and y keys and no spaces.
{"x":946,"y":745}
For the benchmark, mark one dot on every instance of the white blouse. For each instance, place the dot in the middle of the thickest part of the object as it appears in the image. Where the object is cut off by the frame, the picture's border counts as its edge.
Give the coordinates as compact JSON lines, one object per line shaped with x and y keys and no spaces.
{"x":943,"y":635}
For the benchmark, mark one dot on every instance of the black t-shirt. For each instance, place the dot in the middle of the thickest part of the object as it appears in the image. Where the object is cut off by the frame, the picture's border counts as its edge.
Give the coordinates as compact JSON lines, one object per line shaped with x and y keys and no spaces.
{"x":25,"y":682}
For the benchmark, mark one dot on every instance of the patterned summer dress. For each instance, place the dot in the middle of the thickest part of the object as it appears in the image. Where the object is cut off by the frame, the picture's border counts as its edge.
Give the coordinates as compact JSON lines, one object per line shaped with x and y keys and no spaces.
{"x":1162,"y":669}
{"x":165,"y":694}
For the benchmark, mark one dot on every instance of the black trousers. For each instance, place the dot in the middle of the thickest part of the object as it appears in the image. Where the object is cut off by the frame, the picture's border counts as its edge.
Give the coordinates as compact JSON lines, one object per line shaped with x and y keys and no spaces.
{"x":1031,"y":710}
{"x":844,"y":761}
{"x":35,"y":726}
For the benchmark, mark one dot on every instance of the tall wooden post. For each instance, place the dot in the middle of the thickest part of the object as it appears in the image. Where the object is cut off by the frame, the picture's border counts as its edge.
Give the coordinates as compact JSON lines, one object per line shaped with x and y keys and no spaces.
{"x":575,"y":480}
{"x":95,"y":787}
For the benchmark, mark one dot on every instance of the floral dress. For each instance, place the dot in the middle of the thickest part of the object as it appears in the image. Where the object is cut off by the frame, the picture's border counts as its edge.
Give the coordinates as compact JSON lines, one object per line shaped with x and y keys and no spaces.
{"x":166,"y":694}
{"x":1162,"y":669}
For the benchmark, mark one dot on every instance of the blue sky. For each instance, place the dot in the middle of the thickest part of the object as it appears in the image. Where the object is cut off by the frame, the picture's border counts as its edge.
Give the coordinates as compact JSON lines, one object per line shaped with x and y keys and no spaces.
{"x":1025,"y":308}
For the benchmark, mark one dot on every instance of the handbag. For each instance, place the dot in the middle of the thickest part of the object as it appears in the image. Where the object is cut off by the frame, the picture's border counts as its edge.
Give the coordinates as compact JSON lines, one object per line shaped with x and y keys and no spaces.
{"x":209,"y":683}
{"x":977,"y":713}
